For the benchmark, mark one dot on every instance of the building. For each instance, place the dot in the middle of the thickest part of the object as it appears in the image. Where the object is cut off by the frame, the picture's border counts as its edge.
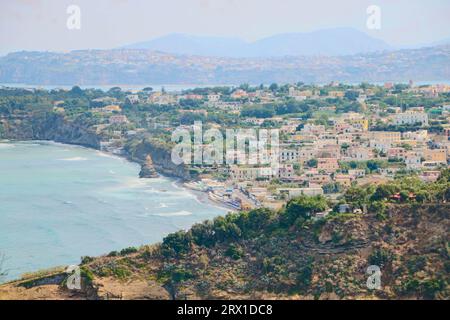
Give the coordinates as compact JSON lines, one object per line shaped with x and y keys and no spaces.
{"x":360,"y":153}
{"x":213,"y":97}
{"x":286,"y":171}
{"x":386,"y":136}
{"x":396,"y":153}
{"x":291,"y":193}
{"x":327,"y":164}
{"x":343,"y":179}
{"x":437,"y":155}
{"x":411,"y":118}
{"x":357,"y":173}
{"x":413,"y":161}
{"x":239,"y":94}
{"x":361,"y":124}
{"x":250,"y":173}
{"x":132,"y":98}
{"x":118,"y":119}
{"x":289,"y":155}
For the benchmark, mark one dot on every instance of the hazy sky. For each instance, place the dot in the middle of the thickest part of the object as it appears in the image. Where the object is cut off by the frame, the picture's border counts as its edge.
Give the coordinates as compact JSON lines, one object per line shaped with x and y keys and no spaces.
{"x":41,"y":24}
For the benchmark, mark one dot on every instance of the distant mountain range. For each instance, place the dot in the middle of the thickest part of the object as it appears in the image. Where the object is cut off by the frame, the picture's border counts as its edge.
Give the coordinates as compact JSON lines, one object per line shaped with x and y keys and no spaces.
{"x":330,"y":42}
{"x":143,"y":67}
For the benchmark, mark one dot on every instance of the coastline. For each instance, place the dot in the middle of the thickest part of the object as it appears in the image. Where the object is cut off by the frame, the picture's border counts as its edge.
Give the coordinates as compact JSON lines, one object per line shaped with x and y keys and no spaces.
{"x":201,"y":197}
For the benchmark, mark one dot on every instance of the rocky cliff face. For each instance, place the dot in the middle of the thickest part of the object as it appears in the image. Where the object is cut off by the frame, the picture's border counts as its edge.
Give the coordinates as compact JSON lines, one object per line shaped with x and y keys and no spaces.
{"x":56,"y":127}
{"x":161,"y":157}
{"x":148,"y":169}
{"x":51,"y":126}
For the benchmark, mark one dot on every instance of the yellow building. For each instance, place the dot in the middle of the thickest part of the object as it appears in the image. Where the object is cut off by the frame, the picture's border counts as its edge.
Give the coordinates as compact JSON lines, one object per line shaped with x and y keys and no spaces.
{"x":363,"y":124}
{"x":386,"y":136}
{"x":438,"y":155}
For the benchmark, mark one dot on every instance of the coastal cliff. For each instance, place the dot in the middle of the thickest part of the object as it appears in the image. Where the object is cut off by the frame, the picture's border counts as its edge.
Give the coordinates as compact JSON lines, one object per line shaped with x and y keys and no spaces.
{"x":160,"y":154}
{"x":57,"y":127}
{"x":148,"y":170}
{"x":51,"y":126}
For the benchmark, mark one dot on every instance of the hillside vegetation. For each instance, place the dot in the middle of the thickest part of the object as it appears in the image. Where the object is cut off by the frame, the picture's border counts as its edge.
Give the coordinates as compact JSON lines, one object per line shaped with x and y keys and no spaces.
{"x":289,"y":254}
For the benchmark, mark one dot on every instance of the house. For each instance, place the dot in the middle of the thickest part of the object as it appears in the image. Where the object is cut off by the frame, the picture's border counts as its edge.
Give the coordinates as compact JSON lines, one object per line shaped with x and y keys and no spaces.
{"x":286,"y":171}
{"x":413,"y":160}
{"x":385,"y":136}
{"x":213,"y":97}
{"x":420,"y":135}
{"x":430,"y":176}
{"x":296,"y":192}
{"x":361,"y":124}
{"x":357,"y":173}
{"x":132,"y":98}
{"x":327,"y":164}
{"x":432,"y":164}
{"x":289,"y":155}
{"x":108,"y":109}
{"x":396,"y":153}
{"x":438,"y":155}
{"x":411,"y":118}
{"x":344,"y":208}
{"x":239,"y":94}
{"x":250,"y":173}
{"x":336,"y":94}
{"x":118,"y":119}
{"x":192,"y":97}
{"x":343,"y":179}
{"x":360,"y":153}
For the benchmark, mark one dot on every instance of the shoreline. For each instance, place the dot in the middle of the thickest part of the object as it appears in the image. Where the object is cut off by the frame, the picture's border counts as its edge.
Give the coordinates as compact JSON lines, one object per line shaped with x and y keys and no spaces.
{"x":201,"y":196}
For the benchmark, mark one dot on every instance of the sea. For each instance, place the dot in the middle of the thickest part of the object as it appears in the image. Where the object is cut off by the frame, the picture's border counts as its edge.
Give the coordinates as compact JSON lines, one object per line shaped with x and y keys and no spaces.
{"x":60,"y":202}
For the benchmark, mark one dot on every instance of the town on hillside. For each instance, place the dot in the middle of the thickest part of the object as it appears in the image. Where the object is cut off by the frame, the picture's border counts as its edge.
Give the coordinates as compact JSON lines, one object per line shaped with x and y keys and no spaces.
{"x":331,"y":137}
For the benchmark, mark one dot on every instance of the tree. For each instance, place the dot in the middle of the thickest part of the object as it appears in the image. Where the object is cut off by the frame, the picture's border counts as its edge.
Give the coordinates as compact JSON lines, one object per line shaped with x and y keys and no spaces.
{"x":374,"y":165}
{"x":253,"y":222}
{"x":234,"y":251}
{"x":273,"y":87}
{"x":384,"y":191}
{"x":176,"y":244}
{"x":226,"y":229}
{"x":351,"y":95}
{"x":76,"y":91}
{"x":312,"y":163}
{"x":304,"y":277}
{"x":265,"y":111}
{"x":302,"y":208}
{"x":203,"y":234}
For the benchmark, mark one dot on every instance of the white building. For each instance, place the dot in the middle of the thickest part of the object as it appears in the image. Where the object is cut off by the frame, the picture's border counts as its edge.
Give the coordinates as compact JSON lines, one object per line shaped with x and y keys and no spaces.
{"x":289,"y":155}
{"x":411,"y":118}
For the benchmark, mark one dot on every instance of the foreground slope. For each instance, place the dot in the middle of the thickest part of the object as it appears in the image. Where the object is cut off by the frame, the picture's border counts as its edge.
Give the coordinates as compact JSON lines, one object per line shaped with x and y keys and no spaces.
{"x":282,"y":255}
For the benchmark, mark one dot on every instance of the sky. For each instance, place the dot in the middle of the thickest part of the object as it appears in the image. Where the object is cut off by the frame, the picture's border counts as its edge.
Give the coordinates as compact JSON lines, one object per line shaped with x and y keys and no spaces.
{"x":42,"y":24}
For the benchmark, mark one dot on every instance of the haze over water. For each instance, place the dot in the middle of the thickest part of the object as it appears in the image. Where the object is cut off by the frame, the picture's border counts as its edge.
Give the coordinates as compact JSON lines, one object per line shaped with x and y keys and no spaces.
{"x":59,"y":202}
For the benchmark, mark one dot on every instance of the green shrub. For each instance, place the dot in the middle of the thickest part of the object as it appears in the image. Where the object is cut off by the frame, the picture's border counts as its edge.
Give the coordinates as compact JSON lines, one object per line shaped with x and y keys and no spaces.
{"x":235,"y":252}
{"x":381,"y":257}
{"x":86,"y":259}
{"x":176,"y":244}
{"x":302,"y":207}
{"x":128,"y":250}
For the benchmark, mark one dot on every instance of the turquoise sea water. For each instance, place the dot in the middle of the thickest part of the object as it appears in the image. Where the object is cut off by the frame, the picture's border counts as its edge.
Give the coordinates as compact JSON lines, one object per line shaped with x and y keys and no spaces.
{"x":59,"y":202}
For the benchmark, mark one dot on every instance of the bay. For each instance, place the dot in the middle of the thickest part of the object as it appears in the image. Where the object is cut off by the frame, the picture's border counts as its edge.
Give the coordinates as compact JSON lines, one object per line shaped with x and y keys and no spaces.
{"x":61,"y":202}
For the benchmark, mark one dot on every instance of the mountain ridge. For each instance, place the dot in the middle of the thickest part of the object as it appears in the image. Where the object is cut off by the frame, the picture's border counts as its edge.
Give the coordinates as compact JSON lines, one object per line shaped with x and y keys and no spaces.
{"x":337,"y":41}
